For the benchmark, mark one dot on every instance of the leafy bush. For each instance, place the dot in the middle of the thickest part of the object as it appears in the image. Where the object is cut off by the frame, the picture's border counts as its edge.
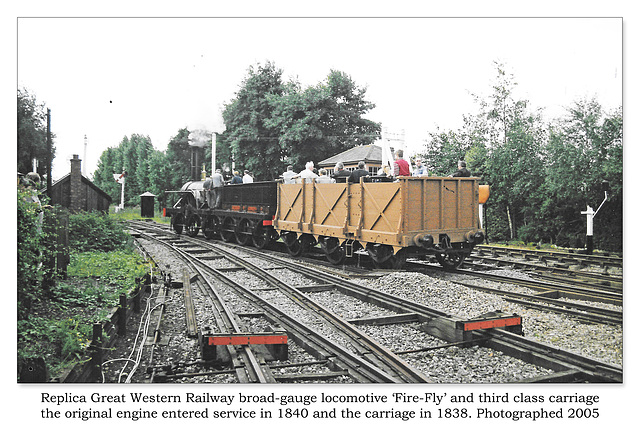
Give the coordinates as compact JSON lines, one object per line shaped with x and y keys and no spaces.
{"x":95,"y":231}
{"x":33,"y":250}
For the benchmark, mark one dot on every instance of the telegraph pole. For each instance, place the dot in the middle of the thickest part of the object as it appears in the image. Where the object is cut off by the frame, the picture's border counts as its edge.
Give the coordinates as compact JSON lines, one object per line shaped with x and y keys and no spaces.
{"x":49,"y":151}
{"x":84,"y":166}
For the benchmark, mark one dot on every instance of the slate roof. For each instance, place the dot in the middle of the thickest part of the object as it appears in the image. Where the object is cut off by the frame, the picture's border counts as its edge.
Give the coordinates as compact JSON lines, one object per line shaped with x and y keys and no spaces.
{"x":67,"y":178}
{"x":370,"y":153}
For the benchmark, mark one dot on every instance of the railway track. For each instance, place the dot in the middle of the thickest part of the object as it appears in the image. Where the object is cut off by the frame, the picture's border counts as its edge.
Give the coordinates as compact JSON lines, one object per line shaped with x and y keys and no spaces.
{"x":568,"y":366}
{"x":550,"y":296}
{"x":371,"y":362}
{"x":558,"y":257}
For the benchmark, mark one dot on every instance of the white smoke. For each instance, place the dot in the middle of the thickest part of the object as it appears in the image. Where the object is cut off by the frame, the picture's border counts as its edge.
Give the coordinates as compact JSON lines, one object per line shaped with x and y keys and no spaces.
{"x":200,"y":138}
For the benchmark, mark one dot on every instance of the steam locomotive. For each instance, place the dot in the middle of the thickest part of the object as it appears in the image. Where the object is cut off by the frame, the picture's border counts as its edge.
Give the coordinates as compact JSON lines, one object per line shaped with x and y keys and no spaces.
{"x":391,"y":221}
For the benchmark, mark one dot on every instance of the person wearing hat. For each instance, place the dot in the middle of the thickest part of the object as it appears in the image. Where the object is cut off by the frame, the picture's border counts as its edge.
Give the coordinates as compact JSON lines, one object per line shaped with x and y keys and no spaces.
{"x":462,"y":170}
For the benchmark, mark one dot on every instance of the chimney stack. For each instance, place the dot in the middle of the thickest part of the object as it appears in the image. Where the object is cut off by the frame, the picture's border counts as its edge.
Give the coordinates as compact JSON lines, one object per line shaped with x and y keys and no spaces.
{"x":77,"y":196}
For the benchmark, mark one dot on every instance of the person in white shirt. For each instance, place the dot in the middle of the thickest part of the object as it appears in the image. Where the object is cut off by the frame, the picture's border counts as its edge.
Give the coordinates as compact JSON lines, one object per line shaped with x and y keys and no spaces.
{"x":289,"y":175}
{"x":307,"y":174}
{"x":247,"y":177}
{"x":323,"y":178}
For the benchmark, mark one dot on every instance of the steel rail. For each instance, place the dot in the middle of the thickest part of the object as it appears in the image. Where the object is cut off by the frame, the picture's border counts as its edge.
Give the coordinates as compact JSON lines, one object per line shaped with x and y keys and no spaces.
{"x":251,"y":369}
{"x":383,"y":361}
{"x":515,"y":345}
{"x":587,"y":280}
{"x":580,"y":311}
{"x":360,"y":368}
{"x":597,"y":276}
{"x":404,"y":370}
{"x":568,"y":291}
{"x":601,"y":260}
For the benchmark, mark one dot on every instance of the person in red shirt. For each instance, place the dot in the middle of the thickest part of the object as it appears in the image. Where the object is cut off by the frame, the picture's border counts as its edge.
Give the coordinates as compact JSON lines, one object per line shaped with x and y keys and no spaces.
{"x":400,"y":166}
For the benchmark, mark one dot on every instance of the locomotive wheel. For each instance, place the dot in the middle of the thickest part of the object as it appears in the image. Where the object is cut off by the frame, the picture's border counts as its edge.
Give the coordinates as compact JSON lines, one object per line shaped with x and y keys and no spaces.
{"x":227,"y":230}
{"x":210,"y":228}
{"x":262,"y":236}
{"x":244,"y":232}
{"x":450,"y":260}
{"x":335,"y":252}
{"x":192,"y":226}
{"x":177,"y":222}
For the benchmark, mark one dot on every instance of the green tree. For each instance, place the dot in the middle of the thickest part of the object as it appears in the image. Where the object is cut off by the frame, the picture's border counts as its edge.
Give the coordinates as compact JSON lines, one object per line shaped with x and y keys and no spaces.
{"x":179,"y":159}
{"x":132,"y":155}
{"x":503,"y":144}
{"x":32,"y":133}
{"x":109,"y":163}
{"x":271,"y":124}
{"x":584,"y":149}
{"x":442,"y":151}
{"x":322,"y":120}
{"x":253,"y":144}
{"x":29,"y":240}
{"x":514,"y":137}
{"x":159,"y":175}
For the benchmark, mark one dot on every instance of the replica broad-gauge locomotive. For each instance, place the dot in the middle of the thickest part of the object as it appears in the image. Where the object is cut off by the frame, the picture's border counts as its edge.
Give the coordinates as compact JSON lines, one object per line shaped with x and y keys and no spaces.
{"x":411,"y":217}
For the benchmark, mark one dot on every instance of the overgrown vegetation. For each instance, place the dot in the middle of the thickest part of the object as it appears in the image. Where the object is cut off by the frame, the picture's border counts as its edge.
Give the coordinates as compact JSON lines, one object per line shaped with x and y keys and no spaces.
{"x":55,"y":315}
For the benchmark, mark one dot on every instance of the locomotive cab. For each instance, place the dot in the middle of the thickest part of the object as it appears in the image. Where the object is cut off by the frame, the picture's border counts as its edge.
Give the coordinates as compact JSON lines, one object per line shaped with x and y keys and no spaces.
{"x":183,"y":213}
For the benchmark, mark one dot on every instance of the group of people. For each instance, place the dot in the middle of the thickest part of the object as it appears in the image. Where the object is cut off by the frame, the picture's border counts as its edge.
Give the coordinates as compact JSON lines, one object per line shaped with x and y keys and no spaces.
{"x":341,"y":175}
{"x":218,"y":179}
{"x":234,"y":177}
{"x":308,"y":174}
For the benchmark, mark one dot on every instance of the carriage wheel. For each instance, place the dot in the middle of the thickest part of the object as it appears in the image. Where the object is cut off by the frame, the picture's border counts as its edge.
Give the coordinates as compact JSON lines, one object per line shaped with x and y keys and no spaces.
{"x":227,"y":230}
{"x":398,"y":260}
{"x":383,"y":257}
{"x":336,"y":253}
{"x":192,"y":225}
{"x":262,"y":236}
{"x":450,"y":260}
{"x":210,"y":228}
{"x":298,"y":246}
{"x":380,"y":254}
{"x":243,"y":232}
{"x":293,"y":244}
{"x":177,"y":222}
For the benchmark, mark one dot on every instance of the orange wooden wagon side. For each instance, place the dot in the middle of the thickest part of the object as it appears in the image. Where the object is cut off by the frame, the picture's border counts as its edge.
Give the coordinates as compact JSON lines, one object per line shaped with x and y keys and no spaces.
{"x":414,"y":216}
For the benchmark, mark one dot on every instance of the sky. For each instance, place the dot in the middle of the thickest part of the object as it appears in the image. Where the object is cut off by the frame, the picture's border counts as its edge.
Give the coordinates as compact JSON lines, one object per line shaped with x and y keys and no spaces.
{"x":108,"y":78}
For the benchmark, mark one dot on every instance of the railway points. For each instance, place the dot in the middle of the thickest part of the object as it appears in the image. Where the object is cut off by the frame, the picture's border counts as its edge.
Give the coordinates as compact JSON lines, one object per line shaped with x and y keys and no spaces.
{"x":577,"y":369}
